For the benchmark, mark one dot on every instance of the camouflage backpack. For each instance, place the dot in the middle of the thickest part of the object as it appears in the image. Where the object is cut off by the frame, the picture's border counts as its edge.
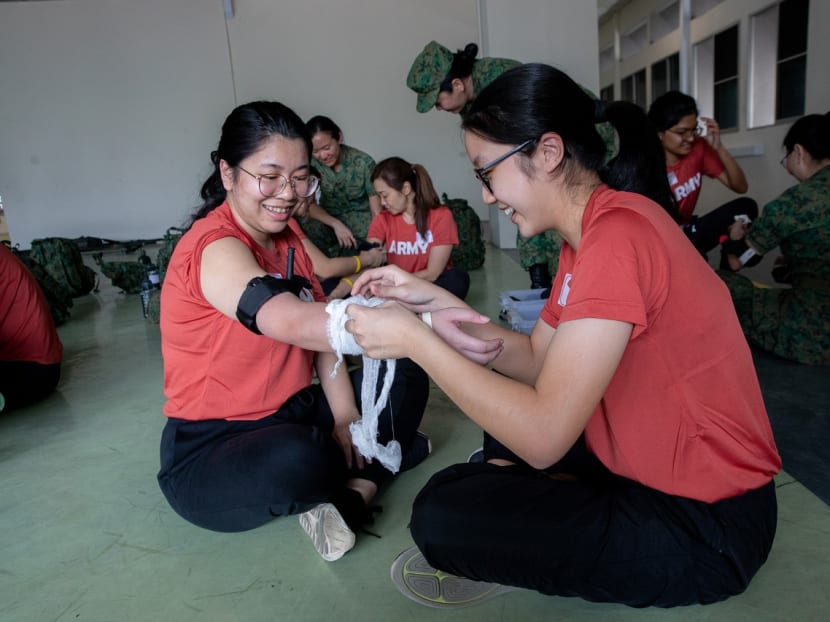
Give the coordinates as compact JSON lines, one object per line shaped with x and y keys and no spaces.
{"x":171,"y":238}
{"x":58,"y":296}
{"x":62,"y":259}
{"x":470,"y":252}
{"x":126,"y":275}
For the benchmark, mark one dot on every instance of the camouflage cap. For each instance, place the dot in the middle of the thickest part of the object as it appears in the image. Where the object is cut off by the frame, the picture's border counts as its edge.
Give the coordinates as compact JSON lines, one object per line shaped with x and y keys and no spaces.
{"x":428,"y":70}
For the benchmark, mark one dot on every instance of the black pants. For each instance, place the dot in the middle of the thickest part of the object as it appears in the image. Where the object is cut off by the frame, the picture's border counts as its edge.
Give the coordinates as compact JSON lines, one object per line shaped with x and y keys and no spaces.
{"x":705,"y":231}
{"x":456,"y":281}
{"x":596,"y":535}
{"x":237,"y":475}
{"x":23,"y":382}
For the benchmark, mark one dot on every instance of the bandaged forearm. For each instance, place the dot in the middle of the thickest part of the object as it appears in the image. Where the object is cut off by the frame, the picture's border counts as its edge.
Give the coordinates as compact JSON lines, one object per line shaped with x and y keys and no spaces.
{"x":365,"y":431}
{"x":747,"y":256}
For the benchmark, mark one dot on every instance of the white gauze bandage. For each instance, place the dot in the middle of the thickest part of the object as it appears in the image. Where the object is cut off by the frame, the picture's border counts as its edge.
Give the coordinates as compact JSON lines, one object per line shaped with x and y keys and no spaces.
{"x":365,"y":431}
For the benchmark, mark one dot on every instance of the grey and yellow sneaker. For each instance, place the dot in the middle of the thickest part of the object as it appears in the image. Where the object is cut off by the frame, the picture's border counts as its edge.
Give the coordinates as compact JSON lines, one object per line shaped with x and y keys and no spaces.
{"x":419,"y":581}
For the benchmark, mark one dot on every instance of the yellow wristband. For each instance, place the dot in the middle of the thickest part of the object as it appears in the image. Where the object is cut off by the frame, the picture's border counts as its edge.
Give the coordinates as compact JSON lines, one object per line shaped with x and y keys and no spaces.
{"x":348,"y":281}
{"x":357,"y":264}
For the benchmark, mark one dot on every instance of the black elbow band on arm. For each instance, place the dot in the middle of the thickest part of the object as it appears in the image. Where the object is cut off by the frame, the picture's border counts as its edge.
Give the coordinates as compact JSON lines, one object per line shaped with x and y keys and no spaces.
{"x":747,"y":256}
{"x":259,"y":291}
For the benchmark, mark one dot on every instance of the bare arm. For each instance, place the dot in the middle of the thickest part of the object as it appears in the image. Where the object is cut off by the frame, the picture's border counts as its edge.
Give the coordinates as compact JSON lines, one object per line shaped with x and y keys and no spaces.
{"x":439,"y":256}
{"x":733,"y":175}
{"x":340,"y":396}
{"x":344,"y":235}
{"x":226,"y":267}
{"x":326,"y":267}
{"x":539,"y":421}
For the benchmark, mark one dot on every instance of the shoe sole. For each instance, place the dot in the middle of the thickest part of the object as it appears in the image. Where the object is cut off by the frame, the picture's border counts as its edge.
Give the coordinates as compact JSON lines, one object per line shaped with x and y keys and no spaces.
{"x":328,"y":531}
{"x":419,"y":581}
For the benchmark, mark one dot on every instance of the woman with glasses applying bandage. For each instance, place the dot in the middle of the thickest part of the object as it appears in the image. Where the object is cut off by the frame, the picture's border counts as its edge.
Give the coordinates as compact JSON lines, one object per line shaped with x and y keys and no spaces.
{"x":249,"y":437}
{"x":620,"y":462}
{"x":792,"y":322}
{"x":693,"y":148}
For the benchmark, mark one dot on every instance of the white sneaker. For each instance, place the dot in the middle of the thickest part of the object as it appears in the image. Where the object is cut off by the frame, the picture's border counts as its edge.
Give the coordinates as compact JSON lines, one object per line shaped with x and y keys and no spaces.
{"x":328,"y":531}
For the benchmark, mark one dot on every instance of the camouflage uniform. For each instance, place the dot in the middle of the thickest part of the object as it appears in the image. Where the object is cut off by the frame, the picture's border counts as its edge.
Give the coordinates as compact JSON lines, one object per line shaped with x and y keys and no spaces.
{"x":345,"y":195}
{"x":792,"y":323}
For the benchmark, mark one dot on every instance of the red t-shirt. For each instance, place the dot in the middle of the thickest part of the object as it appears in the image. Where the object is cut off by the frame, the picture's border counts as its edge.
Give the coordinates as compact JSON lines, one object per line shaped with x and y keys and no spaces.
{"x":405,"y":247}
{"x":27,"y":330}
{"x":685,"y":177}
{"x":296,"y":228}
{"x":215,"y":368}
{"x":683,"y":412}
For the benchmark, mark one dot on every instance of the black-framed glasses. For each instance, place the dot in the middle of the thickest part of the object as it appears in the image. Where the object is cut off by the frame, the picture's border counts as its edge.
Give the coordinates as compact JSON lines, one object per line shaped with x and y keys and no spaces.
{"x":481,"y":173}
{"x":783,"y":161}
{"x":691,"y":132}
{"x":273,"y":184}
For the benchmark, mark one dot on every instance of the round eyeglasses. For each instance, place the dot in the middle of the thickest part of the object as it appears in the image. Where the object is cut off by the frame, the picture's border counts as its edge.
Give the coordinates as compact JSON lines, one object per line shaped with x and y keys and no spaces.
{"x":273,"y":184}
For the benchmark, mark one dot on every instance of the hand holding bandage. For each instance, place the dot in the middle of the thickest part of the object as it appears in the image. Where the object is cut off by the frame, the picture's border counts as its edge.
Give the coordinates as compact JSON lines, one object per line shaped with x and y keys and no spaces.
{"x":365,"y":431}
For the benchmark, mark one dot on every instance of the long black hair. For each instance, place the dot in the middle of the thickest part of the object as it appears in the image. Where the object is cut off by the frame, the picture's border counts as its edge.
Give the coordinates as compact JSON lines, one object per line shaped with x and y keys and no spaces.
{"x":667,"y":110}
{"x":244,"y":132}
{"x":527,"y":101}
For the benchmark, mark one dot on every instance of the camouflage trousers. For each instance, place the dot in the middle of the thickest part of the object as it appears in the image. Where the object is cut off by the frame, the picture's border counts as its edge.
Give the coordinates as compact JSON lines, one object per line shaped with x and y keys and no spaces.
{"x":543,"y":248}
{"x":323,"y":235}
{"x":792,"y":323}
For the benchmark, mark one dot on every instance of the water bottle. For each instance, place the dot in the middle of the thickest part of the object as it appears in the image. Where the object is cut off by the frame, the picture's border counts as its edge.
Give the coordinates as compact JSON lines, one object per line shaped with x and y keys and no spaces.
{"x":153,"y":276}
{"x":146,"y":286}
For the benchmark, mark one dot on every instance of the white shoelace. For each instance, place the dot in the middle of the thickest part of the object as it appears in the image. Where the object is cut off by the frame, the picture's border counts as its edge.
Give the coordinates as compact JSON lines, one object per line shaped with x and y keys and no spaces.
{"x":365,"y":431}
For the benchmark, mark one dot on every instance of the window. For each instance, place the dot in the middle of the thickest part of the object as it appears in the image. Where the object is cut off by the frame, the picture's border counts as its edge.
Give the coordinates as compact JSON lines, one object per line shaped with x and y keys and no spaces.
{"x":716,"y":77}
{"x":778,"y":62}
{"x":665,"y":76}
{"x":634,"y":88}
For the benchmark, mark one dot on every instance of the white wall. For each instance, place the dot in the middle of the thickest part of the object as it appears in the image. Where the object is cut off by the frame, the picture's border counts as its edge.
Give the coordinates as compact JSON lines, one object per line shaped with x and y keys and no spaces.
{"x":107,"y":113}
{"x":562,"y":33}
{"x":110,"y":108}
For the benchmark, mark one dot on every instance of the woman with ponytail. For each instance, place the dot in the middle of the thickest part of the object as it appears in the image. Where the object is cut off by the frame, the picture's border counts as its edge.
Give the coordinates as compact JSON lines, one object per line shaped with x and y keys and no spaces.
{"x":625,"y":459}
{"x":791,"y":322}
{"x":249,"y":437}
{"x":416,"y":231}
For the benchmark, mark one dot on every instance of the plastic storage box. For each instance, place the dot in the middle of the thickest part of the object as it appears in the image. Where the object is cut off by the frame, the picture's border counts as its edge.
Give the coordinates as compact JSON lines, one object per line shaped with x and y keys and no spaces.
{"x":531,"y":298}
{"x":523,"y":318}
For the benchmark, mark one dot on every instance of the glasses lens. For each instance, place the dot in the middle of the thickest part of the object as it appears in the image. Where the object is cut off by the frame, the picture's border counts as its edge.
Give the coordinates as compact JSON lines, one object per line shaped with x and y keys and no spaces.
{"x":484,"y":179}
{"x":271,"y":185}
{"x":305,"y":186}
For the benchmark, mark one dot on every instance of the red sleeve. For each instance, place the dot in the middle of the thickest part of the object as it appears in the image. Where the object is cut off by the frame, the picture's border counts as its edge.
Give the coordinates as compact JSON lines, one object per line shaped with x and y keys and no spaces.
{"x":615,"y":277}
{"x":379,"y":227}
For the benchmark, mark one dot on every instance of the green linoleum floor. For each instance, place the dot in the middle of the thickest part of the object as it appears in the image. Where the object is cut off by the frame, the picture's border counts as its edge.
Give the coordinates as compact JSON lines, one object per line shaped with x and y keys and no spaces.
{"x":86,"y":534}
